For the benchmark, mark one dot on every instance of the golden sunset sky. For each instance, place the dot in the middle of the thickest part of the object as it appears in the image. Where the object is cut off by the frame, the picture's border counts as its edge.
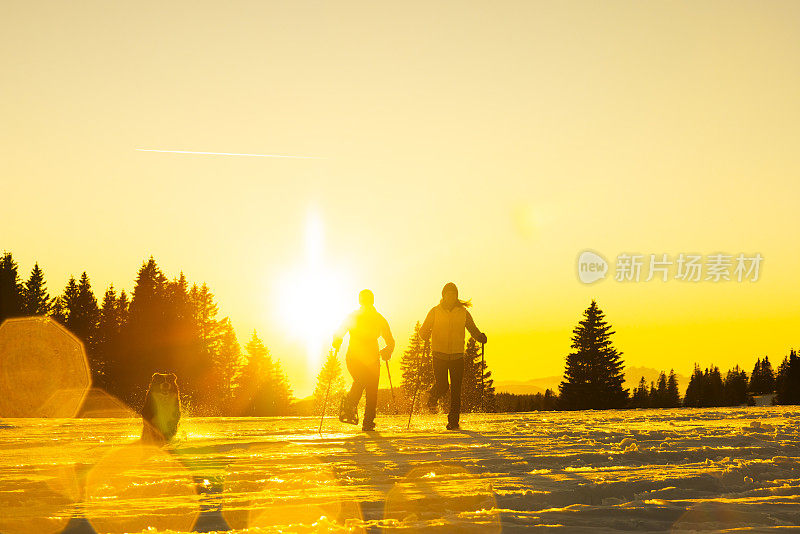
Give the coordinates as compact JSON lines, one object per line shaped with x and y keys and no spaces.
{"x":485,"y":143}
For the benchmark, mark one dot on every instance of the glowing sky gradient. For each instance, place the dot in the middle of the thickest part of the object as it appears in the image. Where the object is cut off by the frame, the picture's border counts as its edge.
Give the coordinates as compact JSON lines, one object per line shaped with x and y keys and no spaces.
{"x":483,"y":143}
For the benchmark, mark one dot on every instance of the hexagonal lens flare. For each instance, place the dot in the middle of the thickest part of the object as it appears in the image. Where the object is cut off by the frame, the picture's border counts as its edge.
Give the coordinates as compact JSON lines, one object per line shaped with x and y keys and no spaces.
{"x":43,"y":369}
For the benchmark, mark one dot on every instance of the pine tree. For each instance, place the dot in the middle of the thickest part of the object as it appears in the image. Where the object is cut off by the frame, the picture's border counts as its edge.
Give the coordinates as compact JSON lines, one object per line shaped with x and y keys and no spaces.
{"x":65,"y":304}
{"x":107,"y":333}
{"x":762,"y":380}
{"x":83,"y":319}
{"x":714,"y":390}
{"x":651,"y":395}
{"x":673,"y":395}
{"x":35,"y":299}
{"x":416,"y":368}
{"x":76,"y":308}
{"x":143,"y":339}
{"x":331,"y":383}
{"x":477,"y":393}
{"x":113,"y":317}
{"x":767,"y":376}
{"x":123,"y":307}
{"x":640,"y":397}
{"x":227,"y":366}
{"x":181,"y":332}
{"x":756,"y":386}
{"x":470,"y":383}
{"x":705,"y":388}
{"x":11,"y":288}
{"x":255,"y":382}
{"x":86,"y":314}
{"x":661,"y":391}
{"x":58,"y":310}
{"x":788,"y":380}
{"x":205,"y":312}
{"x":264,"y":389}
{"x":735,"y":387}
{"x":593,"y":374}
{"x":282,"y":394}
{"x":695,"y":390}
{"x":207,"y":338}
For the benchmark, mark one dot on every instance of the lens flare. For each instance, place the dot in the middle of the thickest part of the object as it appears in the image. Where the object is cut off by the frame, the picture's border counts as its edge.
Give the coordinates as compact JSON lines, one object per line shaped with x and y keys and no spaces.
{"x":37,"y":498}
{"x":444,"y":497}
{"x":137,"y":487}
{"x":100,"y":404}
{"x":266,"y":490}
{"x":43,"y":369}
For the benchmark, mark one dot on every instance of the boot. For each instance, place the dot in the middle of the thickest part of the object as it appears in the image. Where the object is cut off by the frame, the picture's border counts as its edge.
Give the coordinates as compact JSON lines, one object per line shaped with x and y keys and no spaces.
{"x":452,"y":423}
{"x":347,"y":412}
{"x":433,"y":404}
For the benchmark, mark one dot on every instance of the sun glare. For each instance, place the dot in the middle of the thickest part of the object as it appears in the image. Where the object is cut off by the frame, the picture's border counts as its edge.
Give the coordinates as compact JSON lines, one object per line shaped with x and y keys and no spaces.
{"x":313,"y":298}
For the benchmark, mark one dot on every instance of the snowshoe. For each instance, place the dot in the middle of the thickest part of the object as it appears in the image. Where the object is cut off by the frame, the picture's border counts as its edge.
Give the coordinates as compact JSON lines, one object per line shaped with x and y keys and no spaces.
{"x":453,"y":426}
{"x":348,"y":413}
{"x":433,"y":404}
{"x":368,"y":427}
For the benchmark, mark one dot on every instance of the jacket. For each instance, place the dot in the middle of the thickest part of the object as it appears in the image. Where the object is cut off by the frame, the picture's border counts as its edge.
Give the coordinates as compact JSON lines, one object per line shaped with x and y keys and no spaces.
{"x":446,"y":330}
{"x":365,"y":326}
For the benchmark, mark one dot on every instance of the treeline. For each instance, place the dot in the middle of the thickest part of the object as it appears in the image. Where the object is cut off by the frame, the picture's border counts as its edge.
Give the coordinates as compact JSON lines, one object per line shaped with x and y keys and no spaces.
{"x":169,"y":326}
{"x":163,"y":326}
{"x":708,"y":387}
{"x":665,"y":394}
{"x":593,"y":379}
{"x":534,"y":402}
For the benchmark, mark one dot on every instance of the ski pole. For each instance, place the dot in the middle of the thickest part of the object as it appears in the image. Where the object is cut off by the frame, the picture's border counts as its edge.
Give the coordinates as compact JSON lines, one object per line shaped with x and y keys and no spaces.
{"x":483,"y":409}
{"x":391,"y":388}
{"x":413,"y":398}
{"x":325,"y":404}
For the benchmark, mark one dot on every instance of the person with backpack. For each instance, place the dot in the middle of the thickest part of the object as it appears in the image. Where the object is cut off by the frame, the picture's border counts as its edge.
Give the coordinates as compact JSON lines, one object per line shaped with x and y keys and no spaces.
{"x":445,"y":325}
{"x":365,"y":326}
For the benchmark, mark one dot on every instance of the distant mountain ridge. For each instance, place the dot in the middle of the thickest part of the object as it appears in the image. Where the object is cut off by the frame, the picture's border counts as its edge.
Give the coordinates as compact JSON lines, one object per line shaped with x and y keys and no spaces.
{"x":539,"y":385}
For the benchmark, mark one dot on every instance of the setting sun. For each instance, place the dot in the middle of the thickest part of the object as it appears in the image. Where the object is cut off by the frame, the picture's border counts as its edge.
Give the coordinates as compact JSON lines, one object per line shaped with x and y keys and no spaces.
{"x":312,"y":298}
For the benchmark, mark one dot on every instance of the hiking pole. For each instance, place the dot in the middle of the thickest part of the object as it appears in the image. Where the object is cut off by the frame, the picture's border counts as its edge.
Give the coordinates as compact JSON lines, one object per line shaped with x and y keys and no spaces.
{"x":325,"y":404}
{"x":413,"y":398}
{"x":394,"y":403}
{"x":483,"y":408}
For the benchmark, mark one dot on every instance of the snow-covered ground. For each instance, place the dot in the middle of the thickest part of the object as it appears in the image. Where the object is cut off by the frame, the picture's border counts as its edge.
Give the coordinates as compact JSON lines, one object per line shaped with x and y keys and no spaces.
{"x":639,"y":470}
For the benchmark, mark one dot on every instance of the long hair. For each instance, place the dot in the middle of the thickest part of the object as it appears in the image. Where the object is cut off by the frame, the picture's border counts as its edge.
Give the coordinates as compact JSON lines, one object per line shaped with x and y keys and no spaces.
{"x":450,"y":286}
{"x":463,"y":303}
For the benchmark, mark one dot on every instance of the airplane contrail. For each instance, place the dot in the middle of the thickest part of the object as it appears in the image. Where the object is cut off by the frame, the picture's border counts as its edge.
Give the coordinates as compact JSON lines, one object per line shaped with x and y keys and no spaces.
{"x":227,"y":154}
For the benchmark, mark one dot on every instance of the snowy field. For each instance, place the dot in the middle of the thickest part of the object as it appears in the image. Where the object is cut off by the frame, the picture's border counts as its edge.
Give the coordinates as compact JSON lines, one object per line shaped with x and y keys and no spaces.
{"x":640,"y":470}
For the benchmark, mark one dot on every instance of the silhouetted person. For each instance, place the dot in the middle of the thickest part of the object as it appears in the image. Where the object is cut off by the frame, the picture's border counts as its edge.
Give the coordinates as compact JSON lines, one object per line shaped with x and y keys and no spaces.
{"x":445,"y":325}
{"x":365,"y":326}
